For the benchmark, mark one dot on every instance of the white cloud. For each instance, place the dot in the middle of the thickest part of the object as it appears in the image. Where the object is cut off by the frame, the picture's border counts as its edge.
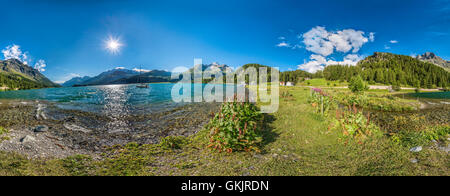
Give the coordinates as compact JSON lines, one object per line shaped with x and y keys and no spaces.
{"x":40,"y":65}
{"x":14,"y":52}
{"x":319,"y":62}
{"x":283,"y":44}
{"x":387,"y":47}
{"x":323,"y":43}
{"x":371,"y":36}
{"x":393,"y":41}
{"x":282,"y":38}
{"x":320,"y":41}
{"x":314,"y":65}
{"x":141,"y":70}
{"x":119,"y":68}
{"x":316,"y":41}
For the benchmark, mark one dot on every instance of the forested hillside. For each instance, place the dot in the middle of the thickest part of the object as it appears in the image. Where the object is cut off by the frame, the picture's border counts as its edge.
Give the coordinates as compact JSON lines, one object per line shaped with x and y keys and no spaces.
{"x":16,"y":75}
{"x":392,"y":69}
{"x":16,"y":81}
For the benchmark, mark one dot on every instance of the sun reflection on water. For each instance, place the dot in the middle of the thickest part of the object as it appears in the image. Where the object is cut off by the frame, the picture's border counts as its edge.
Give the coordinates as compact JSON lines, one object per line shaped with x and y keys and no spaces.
{"x":115,"y":107}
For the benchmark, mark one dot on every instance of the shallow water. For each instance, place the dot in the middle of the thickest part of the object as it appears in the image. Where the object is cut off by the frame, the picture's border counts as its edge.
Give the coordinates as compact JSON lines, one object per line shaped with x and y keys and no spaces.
{"x":110,"y":100}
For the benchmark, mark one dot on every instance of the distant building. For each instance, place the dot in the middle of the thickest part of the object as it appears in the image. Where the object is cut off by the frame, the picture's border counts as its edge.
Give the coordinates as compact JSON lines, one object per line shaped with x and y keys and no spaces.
{"x":282,"y":83}
{"x":289,"y":84}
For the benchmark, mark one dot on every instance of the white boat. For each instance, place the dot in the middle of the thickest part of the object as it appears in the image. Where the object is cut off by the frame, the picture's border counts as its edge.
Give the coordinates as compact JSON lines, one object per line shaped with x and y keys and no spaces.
{"x":139,"y":81}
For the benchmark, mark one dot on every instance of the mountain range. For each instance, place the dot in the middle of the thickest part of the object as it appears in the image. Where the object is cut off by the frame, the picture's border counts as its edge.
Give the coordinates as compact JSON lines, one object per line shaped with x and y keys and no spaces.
{"x":16,"y":75}
{"x":120,"y":76}
{"x":432,"y":58}
{"x":126,"y":76}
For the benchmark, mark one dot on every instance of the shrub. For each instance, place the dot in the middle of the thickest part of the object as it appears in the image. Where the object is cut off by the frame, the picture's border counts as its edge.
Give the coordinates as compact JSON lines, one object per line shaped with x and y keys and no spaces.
{"x":316,"y":98}
{"x":357,"y":84}
{"x":354,"y":125}
{"x":396,"y":88}
{"x":417,"y":90}
{"x":235,"y":128}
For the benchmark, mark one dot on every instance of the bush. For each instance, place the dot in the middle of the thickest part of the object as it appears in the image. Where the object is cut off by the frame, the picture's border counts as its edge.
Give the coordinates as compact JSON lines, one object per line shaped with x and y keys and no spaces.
{"x":354,"y":125}
{"x":417,"y":90}
{"x":357,"y":84}
{"x":235,"y":128}
{"x":396,"y":88}
{"x":316,"y":98}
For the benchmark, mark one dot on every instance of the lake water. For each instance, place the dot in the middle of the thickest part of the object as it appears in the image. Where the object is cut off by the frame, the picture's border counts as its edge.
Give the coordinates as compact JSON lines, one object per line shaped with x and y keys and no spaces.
{"x":433,"y":95}
{"x":105,"y":99}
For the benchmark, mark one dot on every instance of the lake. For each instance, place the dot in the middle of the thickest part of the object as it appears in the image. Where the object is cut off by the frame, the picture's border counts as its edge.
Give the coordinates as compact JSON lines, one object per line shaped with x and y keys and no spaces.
{"x":105,"y":99}
{"x":432,"y":95}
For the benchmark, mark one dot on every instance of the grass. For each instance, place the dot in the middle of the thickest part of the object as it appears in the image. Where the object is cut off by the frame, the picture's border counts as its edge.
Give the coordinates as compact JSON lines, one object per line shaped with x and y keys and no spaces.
{"x":321,"y":82}
{"x":3,"y":134}
{"x":296,"y":141}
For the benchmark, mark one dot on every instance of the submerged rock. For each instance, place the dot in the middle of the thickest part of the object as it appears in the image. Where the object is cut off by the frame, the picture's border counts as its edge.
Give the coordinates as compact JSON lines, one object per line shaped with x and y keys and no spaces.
{"x":416,"y":149}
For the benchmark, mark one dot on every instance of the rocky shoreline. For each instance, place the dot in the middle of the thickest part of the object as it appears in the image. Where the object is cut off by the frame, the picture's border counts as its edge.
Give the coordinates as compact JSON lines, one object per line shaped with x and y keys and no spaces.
{"x":40,"y":129}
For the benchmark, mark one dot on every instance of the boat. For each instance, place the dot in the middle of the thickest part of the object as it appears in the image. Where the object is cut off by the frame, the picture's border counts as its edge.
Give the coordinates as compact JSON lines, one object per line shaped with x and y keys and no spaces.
{"x":139,"y":85}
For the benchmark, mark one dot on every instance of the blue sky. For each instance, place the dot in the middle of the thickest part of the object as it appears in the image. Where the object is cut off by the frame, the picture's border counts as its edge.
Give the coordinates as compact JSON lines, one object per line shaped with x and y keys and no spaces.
{"x":69,"y":35}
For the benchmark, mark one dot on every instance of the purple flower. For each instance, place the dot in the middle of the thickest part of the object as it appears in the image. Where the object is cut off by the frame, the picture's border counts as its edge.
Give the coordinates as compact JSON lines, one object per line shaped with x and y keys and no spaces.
{"x":317,"y":90}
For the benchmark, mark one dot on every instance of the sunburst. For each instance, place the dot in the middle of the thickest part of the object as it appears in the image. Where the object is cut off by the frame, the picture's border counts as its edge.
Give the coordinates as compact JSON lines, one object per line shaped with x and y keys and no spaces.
{"x":113,"y":45}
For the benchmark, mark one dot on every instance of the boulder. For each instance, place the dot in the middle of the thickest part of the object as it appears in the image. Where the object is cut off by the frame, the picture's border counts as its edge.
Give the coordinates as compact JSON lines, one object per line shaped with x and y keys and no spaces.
{"x":27,"y":139}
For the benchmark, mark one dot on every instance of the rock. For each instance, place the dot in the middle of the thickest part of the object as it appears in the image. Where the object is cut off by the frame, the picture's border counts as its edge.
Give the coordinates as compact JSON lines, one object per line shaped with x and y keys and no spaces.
{"x":41,"y":128}
{"x":27,"y":139}
{"x":416,"y":149}
{"x":74,"y":127}
{"x":414,"y":161}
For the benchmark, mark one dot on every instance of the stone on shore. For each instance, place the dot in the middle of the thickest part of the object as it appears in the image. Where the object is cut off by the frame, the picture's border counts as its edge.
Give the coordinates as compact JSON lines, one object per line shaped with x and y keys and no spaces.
{"x":27,"y":139}
{"x":41,"y":128}
{"x":416,"y":149}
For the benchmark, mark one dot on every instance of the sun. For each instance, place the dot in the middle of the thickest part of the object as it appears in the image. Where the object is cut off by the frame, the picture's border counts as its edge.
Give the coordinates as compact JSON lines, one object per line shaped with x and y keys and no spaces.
{"x":113,"y":45}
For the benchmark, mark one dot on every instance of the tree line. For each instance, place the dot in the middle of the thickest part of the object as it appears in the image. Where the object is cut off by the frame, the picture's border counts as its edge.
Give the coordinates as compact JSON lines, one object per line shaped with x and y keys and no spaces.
{"x":15,"y":81}
{"x":383,"y":68}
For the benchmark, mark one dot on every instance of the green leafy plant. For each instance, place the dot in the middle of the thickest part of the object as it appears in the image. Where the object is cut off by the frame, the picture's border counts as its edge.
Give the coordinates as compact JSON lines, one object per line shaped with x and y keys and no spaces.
{"x":357,"y":84}
{"x":355,"y":125}
{"x":319,"y":97}
{"x":235,"y":128}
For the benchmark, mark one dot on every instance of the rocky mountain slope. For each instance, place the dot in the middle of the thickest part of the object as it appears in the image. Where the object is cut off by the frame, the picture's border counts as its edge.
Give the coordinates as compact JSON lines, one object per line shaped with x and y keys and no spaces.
{"x":15,"y":74}
{"x":432,"y":58}
{"x":121,"y":76}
